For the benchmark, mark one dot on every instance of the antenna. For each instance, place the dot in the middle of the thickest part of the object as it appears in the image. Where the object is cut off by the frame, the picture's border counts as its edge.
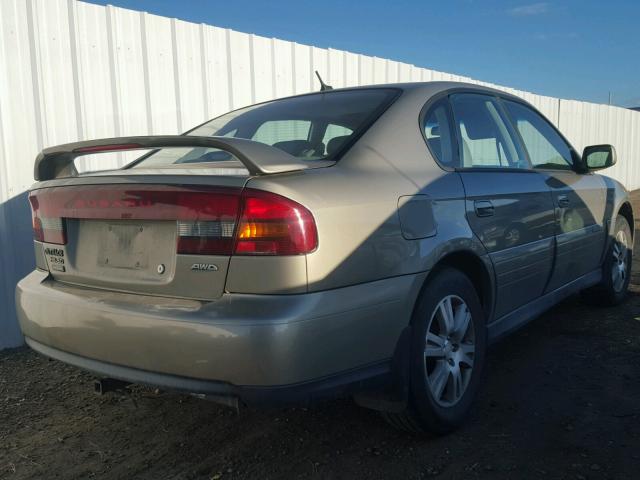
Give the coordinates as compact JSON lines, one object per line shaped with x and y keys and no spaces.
{"x":323,"y":86}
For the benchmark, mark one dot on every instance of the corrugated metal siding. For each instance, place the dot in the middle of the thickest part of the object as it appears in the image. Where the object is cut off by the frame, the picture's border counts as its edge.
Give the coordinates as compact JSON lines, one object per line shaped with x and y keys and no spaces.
{"x":72,"y":71}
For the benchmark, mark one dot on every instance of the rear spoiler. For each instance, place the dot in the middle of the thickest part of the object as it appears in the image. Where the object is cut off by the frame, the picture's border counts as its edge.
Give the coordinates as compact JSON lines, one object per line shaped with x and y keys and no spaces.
{"x":258,"y":158}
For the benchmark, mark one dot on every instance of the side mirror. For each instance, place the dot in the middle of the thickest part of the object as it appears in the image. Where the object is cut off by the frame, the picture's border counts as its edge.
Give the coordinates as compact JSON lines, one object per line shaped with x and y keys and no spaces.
{"x":597,"y":157}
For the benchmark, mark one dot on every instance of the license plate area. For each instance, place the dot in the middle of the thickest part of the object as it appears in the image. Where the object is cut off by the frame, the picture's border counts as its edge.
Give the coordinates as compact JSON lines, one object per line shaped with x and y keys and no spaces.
{"x":122,"y":253}
{"x":125,"y":245}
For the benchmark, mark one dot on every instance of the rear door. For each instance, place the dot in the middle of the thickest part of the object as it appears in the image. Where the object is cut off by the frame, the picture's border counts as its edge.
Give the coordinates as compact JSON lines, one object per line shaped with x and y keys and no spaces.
{"x":579,"y":199}
{"x":509,"y":206}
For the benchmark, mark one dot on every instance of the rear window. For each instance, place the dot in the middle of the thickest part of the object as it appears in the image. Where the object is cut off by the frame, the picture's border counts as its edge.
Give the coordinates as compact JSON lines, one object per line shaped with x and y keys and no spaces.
{"x":309,"y":127}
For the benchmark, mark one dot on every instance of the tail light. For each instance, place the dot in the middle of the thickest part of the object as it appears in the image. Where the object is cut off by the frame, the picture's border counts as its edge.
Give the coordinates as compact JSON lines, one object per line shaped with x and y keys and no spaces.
{"x":210,"y":221}
{"x":47,"y":227}
{"x":274,"y":225}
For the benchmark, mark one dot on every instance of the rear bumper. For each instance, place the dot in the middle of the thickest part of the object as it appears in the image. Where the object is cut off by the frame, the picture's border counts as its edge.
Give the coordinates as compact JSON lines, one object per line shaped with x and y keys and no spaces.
{"x":261,"y":348}
{"x":362,"y":378}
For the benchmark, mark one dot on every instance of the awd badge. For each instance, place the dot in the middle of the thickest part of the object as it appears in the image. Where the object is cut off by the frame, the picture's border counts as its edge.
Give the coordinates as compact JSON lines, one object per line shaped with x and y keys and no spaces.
{"x":204,"y":267}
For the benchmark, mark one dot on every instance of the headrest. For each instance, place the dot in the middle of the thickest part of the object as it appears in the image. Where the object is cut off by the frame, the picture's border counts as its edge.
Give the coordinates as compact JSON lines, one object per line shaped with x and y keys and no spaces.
{"x":476,"y":118}
{"x":336,"y":143}
{"x":436,"y":146}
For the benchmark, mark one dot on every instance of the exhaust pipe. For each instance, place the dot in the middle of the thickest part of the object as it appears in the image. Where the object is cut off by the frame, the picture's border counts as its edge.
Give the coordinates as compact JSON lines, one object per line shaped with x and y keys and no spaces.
{"x":104,"y":385}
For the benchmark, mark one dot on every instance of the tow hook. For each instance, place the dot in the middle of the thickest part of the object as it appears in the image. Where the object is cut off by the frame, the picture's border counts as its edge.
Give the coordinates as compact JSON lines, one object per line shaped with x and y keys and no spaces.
{"x":104,"y":385}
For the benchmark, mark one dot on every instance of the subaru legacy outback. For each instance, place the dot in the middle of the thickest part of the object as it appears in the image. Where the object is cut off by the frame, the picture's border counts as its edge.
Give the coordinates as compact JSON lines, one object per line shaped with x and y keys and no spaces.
{"x":365,"y":241}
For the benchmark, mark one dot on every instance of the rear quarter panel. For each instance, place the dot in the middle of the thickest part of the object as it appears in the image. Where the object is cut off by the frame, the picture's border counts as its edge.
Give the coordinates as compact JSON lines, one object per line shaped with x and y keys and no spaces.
{"x":355,"y":204}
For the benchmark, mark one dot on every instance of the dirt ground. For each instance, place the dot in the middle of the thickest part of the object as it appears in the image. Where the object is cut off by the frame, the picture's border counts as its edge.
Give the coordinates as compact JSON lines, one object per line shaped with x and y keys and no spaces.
{"x":562,"y":400}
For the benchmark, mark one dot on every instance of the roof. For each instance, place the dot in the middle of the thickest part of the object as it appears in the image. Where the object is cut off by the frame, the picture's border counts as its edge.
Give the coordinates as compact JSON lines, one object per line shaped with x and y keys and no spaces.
{"x":429,"y":88}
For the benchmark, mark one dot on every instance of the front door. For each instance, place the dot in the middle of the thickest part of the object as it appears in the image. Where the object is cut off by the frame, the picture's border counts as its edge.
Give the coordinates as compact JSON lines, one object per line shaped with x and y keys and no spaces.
{"x":580,"y":232}
{"x":509,"y":205}
{"x":579,"y":199}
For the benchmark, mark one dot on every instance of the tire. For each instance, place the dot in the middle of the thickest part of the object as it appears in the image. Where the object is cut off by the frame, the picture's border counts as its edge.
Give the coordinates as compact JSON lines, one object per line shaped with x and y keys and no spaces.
{"x":438,"y":404}
{"x":616,"y":268}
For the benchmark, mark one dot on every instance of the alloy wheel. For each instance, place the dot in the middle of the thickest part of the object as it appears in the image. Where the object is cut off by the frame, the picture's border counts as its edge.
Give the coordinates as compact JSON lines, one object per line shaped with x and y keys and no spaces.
{"x":620,"y":266}
{"x":449,"y":350}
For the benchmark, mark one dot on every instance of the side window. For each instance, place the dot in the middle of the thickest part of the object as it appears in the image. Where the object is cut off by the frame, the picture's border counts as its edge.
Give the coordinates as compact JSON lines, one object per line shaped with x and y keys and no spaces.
{"x":291,"y":136}
{"x":437,"y":131}
{"x":275,"y":131}
{"x":486,"y":139}
{"x":545,"y":146}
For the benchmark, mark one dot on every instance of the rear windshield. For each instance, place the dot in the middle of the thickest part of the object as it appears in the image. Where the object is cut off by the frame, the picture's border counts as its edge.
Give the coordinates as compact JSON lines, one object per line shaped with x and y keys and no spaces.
{"x":309,"y":127}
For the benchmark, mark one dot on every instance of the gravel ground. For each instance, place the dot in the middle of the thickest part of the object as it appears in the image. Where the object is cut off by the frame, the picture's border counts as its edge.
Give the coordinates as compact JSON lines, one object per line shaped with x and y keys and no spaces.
{"x":562,"y":400}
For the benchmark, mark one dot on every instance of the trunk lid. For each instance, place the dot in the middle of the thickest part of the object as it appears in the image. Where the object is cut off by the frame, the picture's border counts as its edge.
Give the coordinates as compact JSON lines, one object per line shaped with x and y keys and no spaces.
{"x":165,"y":225}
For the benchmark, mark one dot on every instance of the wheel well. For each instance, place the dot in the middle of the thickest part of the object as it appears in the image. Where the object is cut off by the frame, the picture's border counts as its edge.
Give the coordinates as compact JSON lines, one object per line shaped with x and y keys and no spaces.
{"x":474,"y":268}
{"x":627,"y":212}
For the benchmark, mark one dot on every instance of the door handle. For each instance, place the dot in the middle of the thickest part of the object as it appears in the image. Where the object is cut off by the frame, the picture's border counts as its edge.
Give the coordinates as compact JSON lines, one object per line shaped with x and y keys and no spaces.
{"x":563,"y":201}
{"x":483,"y":208}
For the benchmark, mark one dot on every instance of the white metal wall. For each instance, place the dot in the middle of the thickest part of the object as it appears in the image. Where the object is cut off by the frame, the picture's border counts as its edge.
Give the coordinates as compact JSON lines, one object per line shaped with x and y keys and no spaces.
{"x":71,"y":70}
